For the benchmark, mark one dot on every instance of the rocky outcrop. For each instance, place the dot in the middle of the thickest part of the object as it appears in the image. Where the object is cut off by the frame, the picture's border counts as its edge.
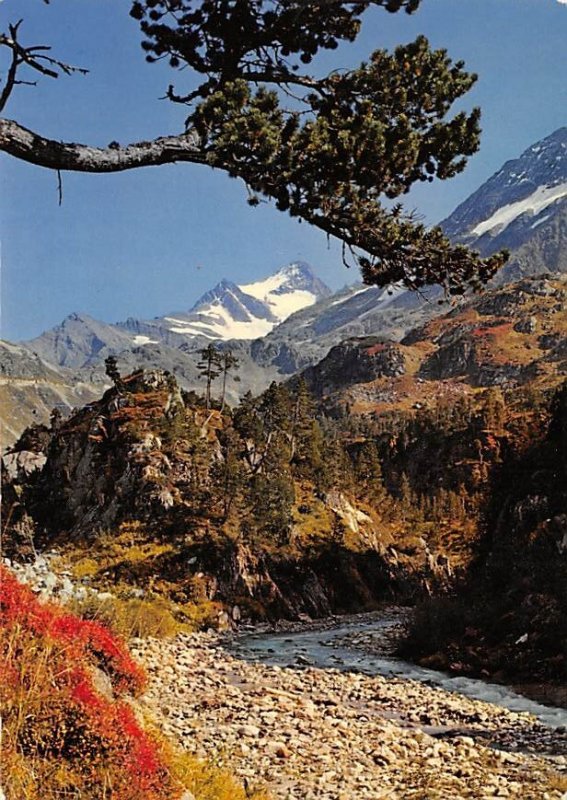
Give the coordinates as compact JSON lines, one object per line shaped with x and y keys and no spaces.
{"x":463,"y":357}
{"x":22,"y":464}
{"x":355,"y":361}
{"x":453,"y":359}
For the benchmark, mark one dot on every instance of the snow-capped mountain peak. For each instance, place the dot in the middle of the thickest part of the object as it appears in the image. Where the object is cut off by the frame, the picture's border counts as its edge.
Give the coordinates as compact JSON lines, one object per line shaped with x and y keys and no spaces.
{"x":289,"y":290}
{"x":249,"y":311}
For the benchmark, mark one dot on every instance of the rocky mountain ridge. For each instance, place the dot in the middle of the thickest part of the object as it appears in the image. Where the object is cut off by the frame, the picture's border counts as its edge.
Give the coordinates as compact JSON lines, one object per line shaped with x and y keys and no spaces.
{"x":226,"y":312}
{"x":83,"y":343}
{"x":523,"y":207}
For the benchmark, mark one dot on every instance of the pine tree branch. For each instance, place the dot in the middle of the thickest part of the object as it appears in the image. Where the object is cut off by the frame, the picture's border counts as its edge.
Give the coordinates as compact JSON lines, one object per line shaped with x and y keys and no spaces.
{"x":22,"y":143}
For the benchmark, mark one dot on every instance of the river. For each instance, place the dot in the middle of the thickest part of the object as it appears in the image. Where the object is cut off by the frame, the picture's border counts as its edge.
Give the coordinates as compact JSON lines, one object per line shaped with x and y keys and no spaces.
{"x":334,"y":647}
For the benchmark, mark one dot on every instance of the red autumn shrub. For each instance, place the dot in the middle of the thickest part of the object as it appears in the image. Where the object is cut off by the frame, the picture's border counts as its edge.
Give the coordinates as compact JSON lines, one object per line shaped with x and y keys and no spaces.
{"x":18,"y":605}
{"x":65,"y":734}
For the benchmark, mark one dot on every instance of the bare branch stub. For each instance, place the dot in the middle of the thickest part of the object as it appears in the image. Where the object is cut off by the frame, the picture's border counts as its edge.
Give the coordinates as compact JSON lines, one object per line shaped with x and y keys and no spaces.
{"x":59,"y":187}
{"x":35,"y":56}
{"x":12,"y":70}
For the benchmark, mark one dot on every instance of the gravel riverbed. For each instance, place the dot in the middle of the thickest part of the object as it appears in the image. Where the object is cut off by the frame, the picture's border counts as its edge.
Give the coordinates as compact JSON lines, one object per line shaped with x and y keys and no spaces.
{"x":336,"y":733}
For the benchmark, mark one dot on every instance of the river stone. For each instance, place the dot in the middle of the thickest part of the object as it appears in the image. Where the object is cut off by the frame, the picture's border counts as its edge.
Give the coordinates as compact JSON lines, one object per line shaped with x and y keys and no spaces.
{"x":249,"y":730}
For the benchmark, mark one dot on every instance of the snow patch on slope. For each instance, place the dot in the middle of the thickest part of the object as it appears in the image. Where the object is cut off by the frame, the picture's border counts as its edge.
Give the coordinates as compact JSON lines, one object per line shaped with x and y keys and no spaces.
{"x":217,"y":323}
{"x":540,"y":221}
{"x":342,"y":300}
{"x":534,"y":203}
{"x":139,"y":339}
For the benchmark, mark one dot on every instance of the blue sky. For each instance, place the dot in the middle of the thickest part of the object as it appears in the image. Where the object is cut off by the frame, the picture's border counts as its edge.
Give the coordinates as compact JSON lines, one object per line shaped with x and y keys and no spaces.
{"x":147,"y":242}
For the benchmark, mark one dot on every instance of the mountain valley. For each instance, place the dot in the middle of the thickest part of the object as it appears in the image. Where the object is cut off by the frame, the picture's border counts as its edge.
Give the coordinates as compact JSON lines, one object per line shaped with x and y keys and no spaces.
{"x":418,"y":405}
{"x":391,"y":456}
{"x":369,"y":477}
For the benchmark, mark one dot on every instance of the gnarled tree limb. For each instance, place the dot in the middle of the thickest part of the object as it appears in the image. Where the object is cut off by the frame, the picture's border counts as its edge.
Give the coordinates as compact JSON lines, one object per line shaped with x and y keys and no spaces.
{"x":34,"y":57}
{"x":28,"y":146}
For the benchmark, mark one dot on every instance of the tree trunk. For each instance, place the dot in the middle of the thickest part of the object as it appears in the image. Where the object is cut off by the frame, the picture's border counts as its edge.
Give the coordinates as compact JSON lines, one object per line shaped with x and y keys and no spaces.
{"x":28,"y":146}
{"x":223,"y":389}
{"x":208,"y":394}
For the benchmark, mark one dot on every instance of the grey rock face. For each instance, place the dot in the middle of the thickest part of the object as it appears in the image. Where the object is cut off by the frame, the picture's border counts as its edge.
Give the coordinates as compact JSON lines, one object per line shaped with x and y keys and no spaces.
{"x":356,"y":311}
{"x":22,"y":464}
{"x":355,"y":361}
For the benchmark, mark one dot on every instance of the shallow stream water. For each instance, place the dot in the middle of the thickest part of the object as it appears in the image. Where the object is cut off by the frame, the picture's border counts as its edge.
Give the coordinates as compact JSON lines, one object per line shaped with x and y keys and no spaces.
{"x":326,"y":649}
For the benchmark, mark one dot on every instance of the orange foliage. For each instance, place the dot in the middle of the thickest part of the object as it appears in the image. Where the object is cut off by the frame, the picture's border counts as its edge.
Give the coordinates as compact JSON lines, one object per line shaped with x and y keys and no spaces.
{"x":502,"y":329}
{"x":64,"y":736}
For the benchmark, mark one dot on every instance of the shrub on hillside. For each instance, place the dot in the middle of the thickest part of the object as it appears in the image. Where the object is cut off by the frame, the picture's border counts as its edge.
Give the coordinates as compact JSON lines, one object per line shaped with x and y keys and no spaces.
{"x":69,"y":730}
{"x":132,"y":617}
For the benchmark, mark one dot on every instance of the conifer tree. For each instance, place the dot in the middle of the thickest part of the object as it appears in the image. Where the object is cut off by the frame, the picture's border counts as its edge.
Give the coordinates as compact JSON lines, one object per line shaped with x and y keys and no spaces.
{"x":229,"y":473}
{"x":493,"y":412}
{"x":248,"y":424}
{"x":200,"y":462}
{"x":406,"y":494}
{"x":302,"y":422}
{"x":350,"y":142}
{"x":272,"y":495}
{"x":228,"y":363}
{"x":369,"y":473}
{"x":315,"y":454}
{"x":210,"y":367}
{"x":111,"y":369}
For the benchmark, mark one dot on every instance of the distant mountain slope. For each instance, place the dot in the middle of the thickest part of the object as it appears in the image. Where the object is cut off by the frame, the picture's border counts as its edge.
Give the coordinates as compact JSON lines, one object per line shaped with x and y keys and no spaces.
{"x":79,"y":341}
{"x":305,"y":337}
{"x":523,"y":207}
{"x":510,"y":337}
{"x":30,"y":388}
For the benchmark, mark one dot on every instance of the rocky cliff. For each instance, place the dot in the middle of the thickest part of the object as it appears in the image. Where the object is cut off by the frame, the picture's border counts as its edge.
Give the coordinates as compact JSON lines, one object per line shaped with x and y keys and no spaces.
{"x":144,"y":488}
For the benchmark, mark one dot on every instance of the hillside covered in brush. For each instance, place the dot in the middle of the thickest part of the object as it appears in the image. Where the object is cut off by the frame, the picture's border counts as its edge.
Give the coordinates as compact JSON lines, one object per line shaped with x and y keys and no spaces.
{"x":72,"y":725}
